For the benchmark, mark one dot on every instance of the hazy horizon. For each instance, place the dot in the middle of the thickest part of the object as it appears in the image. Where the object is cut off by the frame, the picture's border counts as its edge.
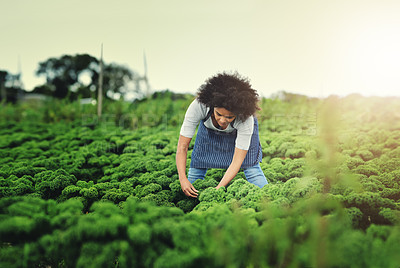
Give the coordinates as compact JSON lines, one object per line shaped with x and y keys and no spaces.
{"x":314,"y":48}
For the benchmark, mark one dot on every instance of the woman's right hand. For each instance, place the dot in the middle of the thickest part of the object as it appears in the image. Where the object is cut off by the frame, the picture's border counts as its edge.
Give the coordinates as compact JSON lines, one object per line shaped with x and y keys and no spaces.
{"x":188,"y":188}
{"x":181,"y":155}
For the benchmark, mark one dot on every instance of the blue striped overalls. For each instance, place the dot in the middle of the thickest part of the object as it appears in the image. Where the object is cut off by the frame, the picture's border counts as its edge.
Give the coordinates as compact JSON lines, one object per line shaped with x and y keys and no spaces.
{"x":215,"y":149}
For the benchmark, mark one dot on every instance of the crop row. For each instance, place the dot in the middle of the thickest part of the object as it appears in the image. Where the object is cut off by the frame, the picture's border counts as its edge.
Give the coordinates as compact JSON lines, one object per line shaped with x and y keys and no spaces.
{"x":59,"y":180}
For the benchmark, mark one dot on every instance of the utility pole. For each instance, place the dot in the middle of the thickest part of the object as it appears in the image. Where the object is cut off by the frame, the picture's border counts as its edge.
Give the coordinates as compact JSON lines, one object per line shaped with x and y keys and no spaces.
{"x":20,"y":93}
{"x":100,"y":89}
{"x":146,"y":80}
{"x":3,"y":92}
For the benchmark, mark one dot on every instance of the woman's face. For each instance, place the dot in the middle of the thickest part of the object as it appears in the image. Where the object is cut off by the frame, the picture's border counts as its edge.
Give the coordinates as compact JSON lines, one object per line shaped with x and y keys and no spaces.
{"x":223,"y":117}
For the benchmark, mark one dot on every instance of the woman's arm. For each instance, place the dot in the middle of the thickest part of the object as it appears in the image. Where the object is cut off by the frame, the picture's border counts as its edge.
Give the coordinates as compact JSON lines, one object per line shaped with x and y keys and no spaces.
{"x":195,"y":112}
{"x":245,"y":131}
{"x":181,"y":158}
{"x":234,"y":167}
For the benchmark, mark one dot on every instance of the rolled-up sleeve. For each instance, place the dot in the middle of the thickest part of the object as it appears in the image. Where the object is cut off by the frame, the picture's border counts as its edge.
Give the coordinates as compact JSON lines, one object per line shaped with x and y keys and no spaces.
{"x":244,"y":132}
{"x":195,"y":112}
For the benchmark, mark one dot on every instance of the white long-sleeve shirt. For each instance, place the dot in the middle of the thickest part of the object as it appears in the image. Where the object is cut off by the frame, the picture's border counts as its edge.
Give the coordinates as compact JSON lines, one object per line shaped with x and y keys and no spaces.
{"x":198,"y":111}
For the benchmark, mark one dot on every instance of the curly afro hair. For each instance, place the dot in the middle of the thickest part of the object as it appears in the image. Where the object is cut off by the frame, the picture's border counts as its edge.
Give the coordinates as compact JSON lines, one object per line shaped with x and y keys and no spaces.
{"x":230,"y":91}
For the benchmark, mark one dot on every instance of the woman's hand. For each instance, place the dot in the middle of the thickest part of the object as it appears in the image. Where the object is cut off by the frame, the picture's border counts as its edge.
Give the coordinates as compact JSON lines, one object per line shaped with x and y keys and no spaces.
{"x":234,"y":167}
{"x":181,"y":155}
{"x":188,"y":188}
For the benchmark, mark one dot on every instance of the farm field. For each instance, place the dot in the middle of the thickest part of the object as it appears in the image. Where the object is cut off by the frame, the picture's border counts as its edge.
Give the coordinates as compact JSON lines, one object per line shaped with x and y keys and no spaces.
{"x":76,"y":191}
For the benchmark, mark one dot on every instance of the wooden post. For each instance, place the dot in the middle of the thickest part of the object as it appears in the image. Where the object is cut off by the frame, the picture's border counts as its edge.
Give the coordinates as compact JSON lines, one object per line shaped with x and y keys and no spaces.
{"x":3,"y":92}
{"x":100,"y":89}
{"x":145,"y":75}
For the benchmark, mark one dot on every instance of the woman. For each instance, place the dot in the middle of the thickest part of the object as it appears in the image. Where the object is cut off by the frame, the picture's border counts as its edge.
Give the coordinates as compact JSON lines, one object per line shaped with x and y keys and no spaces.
{"x":227,"y":136}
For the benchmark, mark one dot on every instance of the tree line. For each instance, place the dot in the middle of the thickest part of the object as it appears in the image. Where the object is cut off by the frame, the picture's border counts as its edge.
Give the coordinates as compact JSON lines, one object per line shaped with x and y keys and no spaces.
{"x":73,"y":77}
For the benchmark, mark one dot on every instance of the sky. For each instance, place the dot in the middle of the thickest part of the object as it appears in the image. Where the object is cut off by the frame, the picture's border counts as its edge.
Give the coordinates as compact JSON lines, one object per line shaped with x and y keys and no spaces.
{"x":311,"y":47}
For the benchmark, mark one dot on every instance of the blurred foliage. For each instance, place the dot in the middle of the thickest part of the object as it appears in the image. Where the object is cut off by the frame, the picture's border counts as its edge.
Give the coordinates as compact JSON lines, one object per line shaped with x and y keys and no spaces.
{"x":10,"y":87}
{"x":76,"y":76}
